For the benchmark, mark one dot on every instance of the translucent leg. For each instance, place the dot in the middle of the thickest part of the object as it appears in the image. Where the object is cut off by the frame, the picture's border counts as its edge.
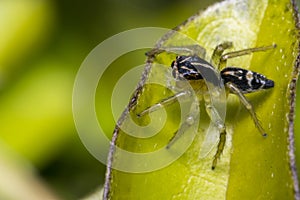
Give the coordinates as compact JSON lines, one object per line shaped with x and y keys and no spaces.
{"x":185,"y":125}
{"x":164,"y":102}
{"x":220,"y":147}
{"x":226,"y":56}
{"x":189,"y":121}
{"x":248,"y":106}
{"x":179,"y":50}
{"x":217,"y":54}
{"x":220,"y":125}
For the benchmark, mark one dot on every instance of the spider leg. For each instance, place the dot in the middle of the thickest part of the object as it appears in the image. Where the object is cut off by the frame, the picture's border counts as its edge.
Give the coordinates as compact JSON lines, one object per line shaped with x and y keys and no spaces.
{"x":164,"y":102}
{"x":223,"y":58}
{"x":220,"y":147}
{"x":189,"y":121}
{"x":219,"y":123}
{"x":217,"y":53}
{"x":248,"y":106}
{"x":179,"y":50}
{"x":168,"y":101}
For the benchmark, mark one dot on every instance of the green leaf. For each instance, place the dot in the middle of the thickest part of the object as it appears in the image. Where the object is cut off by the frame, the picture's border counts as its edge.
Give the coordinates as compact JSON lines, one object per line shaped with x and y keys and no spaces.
{"x":251,"y":167}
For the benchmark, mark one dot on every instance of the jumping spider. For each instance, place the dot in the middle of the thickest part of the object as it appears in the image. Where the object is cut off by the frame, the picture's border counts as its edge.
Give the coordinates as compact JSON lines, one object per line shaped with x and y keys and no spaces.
{"x":238,"y":81}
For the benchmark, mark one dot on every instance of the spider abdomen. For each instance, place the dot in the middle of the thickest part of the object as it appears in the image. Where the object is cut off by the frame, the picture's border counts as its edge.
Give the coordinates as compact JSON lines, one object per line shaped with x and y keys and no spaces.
{"x":246,"y":80}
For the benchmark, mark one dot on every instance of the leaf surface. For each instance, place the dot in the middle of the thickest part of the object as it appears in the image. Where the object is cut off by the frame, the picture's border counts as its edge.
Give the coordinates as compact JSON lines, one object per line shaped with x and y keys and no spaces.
{"x":251,"y":166}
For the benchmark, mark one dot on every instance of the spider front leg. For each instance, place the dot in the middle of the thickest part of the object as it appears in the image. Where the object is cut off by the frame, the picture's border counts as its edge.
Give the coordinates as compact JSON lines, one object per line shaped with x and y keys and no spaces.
{"x":248,"y":106}
{"x":167,"y":101}
{"x":188,"y":122}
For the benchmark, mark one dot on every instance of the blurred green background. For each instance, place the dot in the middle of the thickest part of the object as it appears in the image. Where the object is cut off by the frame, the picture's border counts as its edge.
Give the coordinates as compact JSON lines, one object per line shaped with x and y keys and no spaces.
{"x":42,"y":45}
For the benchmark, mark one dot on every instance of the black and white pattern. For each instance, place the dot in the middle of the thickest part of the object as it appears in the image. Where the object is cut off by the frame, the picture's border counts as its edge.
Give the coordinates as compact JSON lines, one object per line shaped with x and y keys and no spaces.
{"x":246,"y":81}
